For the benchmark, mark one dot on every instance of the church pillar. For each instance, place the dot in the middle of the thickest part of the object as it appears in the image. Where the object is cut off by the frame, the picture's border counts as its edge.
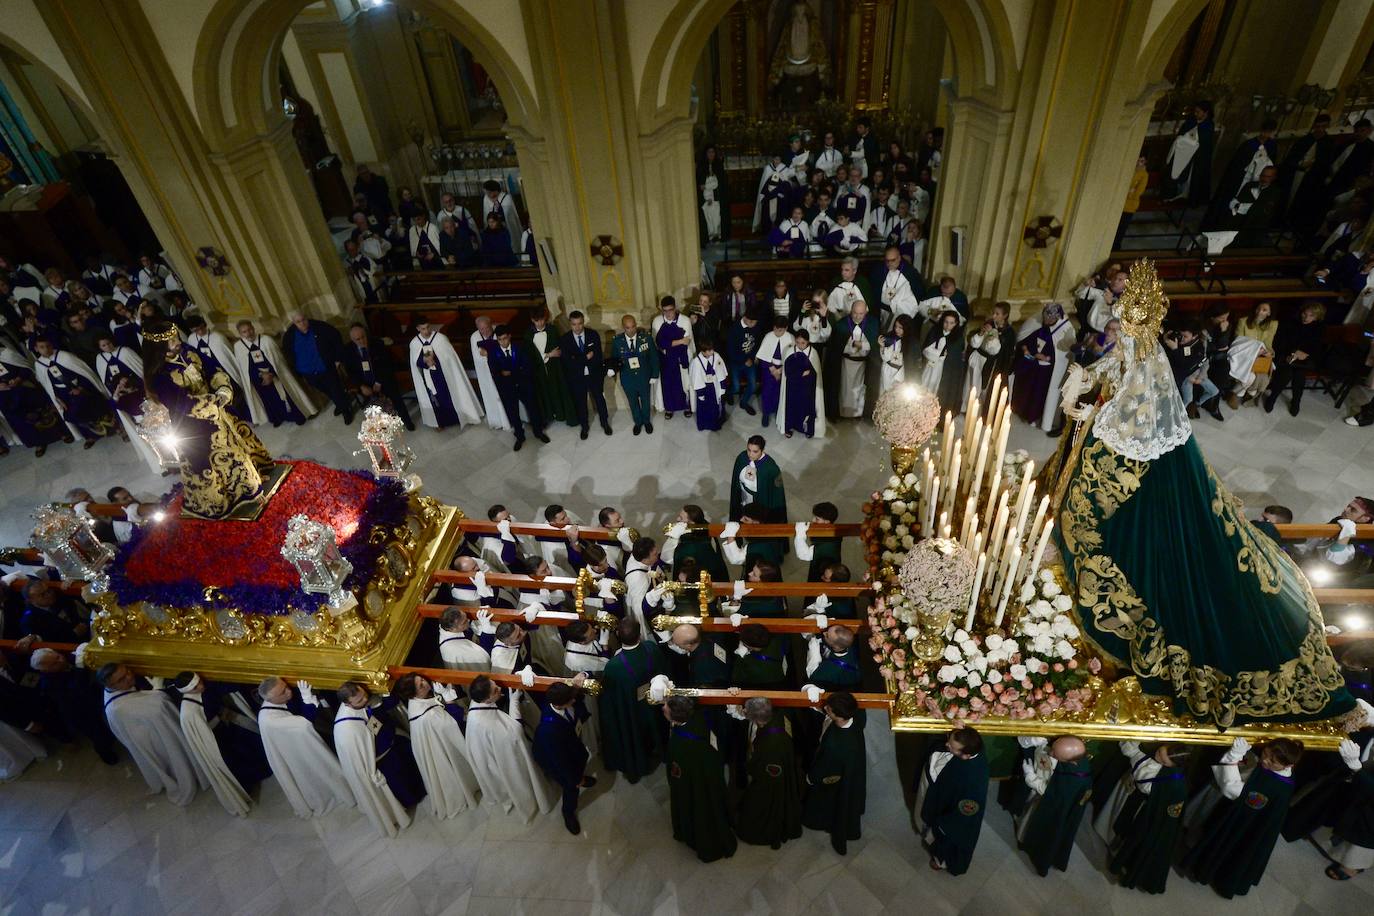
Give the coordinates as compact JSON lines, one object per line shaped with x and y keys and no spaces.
{"x":872,"y":63}
{"x":251,"y":202}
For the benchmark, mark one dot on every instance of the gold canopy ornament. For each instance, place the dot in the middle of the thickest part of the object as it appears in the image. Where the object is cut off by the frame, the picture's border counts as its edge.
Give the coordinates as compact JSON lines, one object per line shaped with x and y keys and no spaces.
{"x":1143,"y":306}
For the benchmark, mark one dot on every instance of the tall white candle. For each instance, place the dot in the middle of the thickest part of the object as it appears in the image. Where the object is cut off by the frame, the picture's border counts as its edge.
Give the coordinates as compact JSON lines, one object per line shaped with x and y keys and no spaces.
{"x":998,"y":527}
{"x":954,"y":474}
{"x":1001,"y":453}
{"x":944,"y":524}
{"x":972,"y":416}
{"x":1040,"y":547}
{"x":973,"y":597}
{"x":1011,"y":540}
{"x":1037,"y":526}
{"x":1006,"y":588}
{"x":1023,"y":504}
{"x":928,"y":525}
{"x":981,"y":445}
{"x":947,"y":444}
{"x":970,"y":522}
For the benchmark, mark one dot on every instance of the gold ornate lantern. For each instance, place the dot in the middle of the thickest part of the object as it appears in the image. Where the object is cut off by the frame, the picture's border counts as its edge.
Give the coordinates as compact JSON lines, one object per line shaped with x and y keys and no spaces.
{"x":311,"y":548}
{"x":70,"y":544}
{"x":155,"y":428}
{"x":381,"y":438}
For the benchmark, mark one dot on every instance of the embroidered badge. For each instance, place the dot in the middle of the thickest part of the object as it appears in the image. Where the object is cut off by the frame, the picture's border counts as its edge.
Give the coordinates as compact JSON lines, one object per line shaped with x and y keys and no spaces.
{"x":1174,"y":810}
{"x":675,"y":771}
{"x":1256,"y":800}
{"x":830,"y":780}
{"x":773,"y":770}
{"x":968,"y":807}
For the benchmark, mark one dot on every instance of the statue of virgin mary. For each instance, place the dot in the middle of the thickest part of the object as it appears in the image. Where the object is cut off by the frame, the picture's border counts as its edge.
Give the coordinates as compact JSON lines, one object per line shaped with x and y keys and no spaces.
{"x":1171,"y":582}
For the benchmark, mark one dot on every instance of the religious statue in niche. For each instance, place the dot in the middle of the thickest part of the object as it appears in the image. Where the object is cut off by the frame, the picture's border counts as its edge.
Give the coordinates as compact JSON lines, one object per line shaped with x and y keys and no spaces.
{"x":801,"y":60}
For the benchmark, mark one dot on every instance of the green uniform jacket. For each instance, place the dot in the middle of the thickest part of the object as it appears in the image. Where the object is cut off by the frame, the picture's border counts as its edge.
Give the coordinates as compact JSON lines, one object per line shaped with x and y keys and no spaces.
{"x":696,"y":790}
{"x":644,"y":350}
{"x":838,"y":784}
{"x":1147,"y":832}
{"x":708,"y":665}
{"x":762,"y":669}
{"x":837,"y":672}
{"x":1240,"y":835}
{"x":771,"y":500}
{"x":702,"y":548}
{"x":631,"y":729}
{"x":953,"y":809}
{"x":550,"y":390}
{"x":824,"y":551}
{"x":1054,"y":822}
{"x":770,"y":812}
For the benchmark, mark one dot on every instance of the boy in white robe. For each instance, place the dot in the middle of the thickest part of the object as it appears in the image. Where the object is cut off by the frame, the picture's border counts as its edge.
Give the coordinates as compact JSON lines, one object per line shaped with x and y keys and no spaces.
{"x":120,"y":371}
{"x":482,"y":341}
{"x":500,"y":755}
{"x":442,"y":388}
{"x":438,"y":743}
{"x":147,"y":724}
{"x":586,"y":651}
{"x":308,"y":773}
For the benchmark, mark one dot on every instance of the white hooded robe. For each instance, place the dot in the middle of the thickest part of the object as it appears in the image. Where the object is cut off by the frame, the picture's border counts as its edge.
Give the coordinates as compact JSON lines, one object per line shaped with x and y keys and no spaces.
{"x":307,"y":772}
{"x":501,"y":760}
{"x":200,"y":738}
{"x":491,"y":398}
{"x":459,"y":387}
{"x":357,"y":752}
{"x":442,"y":755}
{"x":287,"y":384}
{"x":147,"y":724}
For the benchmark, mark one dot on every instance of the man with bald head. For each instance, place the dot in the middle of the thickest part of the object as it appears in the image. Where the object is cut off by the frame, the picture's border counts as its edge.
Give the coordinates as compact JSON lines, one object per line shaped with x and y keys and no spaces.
{"x":1061,"y":776}
{"x":307,"y":771}
{"x":145,"y":721}
{"x":314,"y":349}
{"x":702,"y":661}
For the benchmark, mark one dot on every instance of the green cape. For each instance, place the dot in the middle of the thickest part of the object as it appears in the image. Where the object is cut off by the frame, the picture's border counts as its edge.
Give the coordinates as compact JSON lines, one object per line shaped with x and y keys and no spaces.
{"x":838,"y":784}
{"x":696,"y":790}
{"x":1147,"y":832}
{"x":702,"y":548}
{"x":824,"y":551}
{"x":1240,"y":835}
{"x":770,"y":812}
{"x":953,"y":809}
{"x":762,"y":669}
{"x":1054,"y":822}
{"x":631,"y":729}
{"x":771,"y":500}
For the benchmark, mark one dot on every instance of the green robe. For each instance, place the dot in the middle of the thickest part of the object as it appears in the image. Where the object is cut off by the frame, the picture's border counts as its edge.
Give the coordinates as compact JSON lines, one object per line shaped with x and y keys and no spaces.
{"x":550,"y":388}
{"x":702,"y":548}
{"x":770,"y":812}
{"x":1220,"y":619}
{"x":1240,"y":835}
{"x":953,"y":810}
{"x":762,"y":669}
{"x":1054,"y":822}
{"x":708,"y":665}
{"x":837,"y":672}
{"x":824,"y":551}
{"x":1147,"y":832}
{"x":696,"y":792}
{"x":770,"y":502}
{"x":838,"y":784}
{"x":631,"y":729}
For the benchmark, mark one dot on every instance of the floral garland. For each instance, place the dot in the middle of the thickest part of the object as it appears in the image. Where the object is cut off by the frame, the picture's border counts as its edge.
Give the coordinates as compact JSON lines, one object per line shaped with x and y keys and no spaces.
{"x":174,"y":562}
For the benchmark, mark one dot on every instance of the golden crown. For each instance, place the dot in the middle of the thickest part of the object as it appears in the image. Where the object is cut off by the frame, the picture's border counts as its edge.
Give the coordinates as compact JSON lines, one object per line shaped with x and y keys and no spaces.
{"x":1143,"y":306}
{"x":168,"y":334}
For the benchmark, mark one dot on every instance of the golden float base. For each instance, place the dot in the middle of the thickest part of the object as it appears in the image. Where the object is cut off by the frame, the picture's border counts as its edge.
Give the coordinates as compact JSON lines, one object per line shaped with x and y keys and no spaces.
{"x":358,"y":644}
{"x":1123,"y":713}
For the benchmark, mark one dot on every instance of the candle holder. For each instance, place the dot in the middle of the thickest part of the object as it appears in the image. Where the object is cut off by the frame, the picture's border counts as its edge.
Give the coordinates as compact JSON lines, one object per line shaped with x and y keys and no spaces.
{"x":311,"y":548}
{"x":381,"y":438}
{"x":155,"y":427}
{"x":69,"y":543}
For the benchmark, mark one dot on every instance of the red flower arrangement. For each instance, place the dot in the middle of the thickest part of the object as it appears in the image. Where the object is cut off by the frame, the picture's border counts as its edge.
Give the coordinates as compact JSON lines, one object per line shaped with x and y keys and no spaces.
{"x":174,"y":561}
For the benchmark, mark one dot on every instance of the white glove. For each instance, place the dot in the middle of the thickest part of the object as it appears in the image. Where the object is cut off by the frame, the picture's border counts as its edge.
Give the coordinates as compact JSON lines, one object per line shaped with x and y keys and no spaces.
{"x":483,"y":623}
{"x":813,"y":693}
{"x":503,"y":527}
{"x":79,"y":656}
{"x":741,"y":650}
{"x":741,"y":589}
{"x":1027,"y":768}
{"x":532,"y":611}
{"x":1031,"y":742}
{"x":603,"y":590}
{"x":673,"y":647}
{"x":654,"y":595}
{"x":1236,"y":754}
{"x":157,"y":682}
{"x":307,"y":692}
{"x":1129,"y":748}
{"x":479,"y":582}
{"x":676,"y":531}
{"x":735,"y":711}
{"x":610,"y":373}
{"x":736,"y":619}
{"x":1350,"y":753}
{"x":526,"y":676}
{"x":731,"y":529}
{"x":446,"y":693}
{"x":1363,"y":706}
{"x":659,"y":687}
{"x":132,"y":514}
{"x":803,"y":547}
{"x":663,"y":636}
{"x":669,"y":601}
{"x":515,"y":705}
{"x":623,"y":536}
{"x":820,"y":605}
{"x":81,"y":509}
{"x":1347,"y":530}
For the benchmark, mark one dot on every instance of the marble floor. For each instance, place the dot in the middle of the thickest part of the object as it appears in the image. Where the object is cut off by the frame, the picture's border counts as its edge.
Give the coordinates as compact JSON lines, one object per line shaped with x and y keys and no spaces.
{"x":77,"y":837}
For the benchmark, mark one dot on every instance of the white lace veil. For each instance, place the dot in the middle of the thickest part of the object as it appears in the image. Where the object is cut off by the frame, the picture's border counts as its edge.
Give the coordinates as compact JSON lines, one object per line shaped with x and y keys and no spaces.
{"x":1146,"y":417}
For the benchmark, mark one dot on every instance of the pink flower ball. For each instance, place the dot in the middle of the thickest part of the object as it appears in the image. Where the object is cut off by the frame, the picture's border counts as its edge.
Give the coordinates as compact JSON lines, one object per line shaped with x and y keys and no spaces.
{"x":1058,"y":666}
{"x":997,"y":688}
{"x":1049,"y":687}
{"x":986,"y":690}
{"x":949,"y":693}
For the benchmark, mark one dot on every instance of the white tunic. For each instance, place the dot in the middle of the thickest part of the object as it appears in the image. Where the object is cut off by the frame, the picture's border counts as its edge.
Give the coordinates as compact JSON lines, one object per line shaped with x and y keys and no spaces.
{"x":934,"y":366}
{"x":18,"y":749}
{"x":130,"y":360}
{"x":893,"y":368}
{"x":200,"y":738}
{"x":853,"y":381}
{"x":501,"y":760}
{"x":353,"y":741}
{"x":287,"y":385}
{"x":491,"y":398}
{"x":455,"y":377}
{"x":462,"y":653}
{"x":442,"y":756}
{"x":146,"y":722}
{"x":307,"y":772}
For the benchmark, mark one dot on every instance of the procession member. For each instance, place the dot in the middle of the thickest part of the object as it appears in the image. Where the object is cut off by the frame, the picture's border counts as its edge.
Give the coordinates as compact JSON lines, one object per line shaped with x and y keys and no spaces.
{"x":636,"y":354}
{"x":436,"y":737}
{"x":75,"y":391}
{"x":1061,"y":776}
{"x":513,"y":373}
{"x":500,"y":754}
{"x":770,"y":811}
{"x":696,"y":783}
{"x":120,"y":371}
{"x":632,"y":738}
{"x":482,"y":344}
{"x":307,"y":771}
{"x":708,"y":377}
{"x":688,"y":539}
{"x":441,"y":383}
{"x":991,"y":349}
{"x":497,"y":202}
{"x":802,"y":396}
{"x":1147,"y":825}
{"x":584,"y":369}
{"x":273,"y":392}
{"x":772,"y":353}
{"x":369,"y":366}
{"x":676,"y":349}
{"x":559,"y":749}
{"x":223,"y":740}
{"x":542,"y":346}
{"x":854,"y":343}
{"x":837,"y":779}
{"x":145,"y":721}
{"x":951,"y":795}
{"x":1042,"y":357}
{"x":458,"y":649}
{"x":756,"y":485}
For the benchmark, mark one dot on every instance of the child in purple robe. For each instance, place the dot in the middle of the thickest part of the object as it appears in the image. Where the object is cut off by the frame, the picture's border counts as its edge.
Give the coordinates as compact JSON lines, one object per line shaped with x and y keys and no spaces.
{"x":772,"y":352}
{"x":799,"y":409}
{"x":674,"y":341}
{"x":708,"y":387}
{"x":1034,"y":367}
{"x":24,"y":406}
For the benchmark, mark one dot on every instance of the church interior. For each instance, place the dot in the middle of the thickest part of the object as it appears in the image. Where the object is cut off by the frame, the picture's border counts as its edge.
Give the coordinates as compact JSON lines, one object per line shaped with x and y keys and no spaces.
{"x":746,"y":456}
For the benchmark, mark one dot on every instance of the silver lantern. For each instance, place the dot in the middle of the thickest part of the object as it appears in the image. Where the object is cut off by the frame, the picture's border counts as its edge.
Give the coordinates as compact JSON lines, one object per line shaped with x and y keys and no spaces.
{"x":155,"y":428}
{"x":311,"y":548}
{"x":70,"y":544}
{"x":381,"y":438}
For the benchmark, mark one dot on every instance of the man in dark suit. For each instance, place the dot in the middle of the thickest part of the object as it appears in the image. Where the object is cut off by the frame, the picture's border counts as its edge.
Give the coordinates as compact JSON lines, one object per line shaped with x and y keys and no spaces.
{"x":315,"y":351}
{"x":1352,"y":160}
{"x":370,"y":367}
{"x":584,"y":367}
{"x":558,"y":749}
{"x":514,"y":377}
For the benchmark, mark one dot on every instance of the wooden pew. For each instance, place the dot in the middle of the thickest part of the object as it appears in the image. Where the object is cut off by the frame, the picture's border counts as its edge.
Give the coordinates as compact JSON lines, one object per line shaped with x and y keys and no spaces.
{"x":451,"y":285}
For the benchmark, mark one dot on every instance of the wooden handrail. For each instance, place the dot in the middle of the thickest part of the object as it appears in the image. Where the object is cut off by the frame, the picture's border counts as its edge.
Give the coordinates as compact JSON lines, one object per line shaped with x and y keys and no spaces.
{"x":55,"y":646}
{"x":710,"y":624}
{"x":757,"y":589}
{"x":590,"y":533}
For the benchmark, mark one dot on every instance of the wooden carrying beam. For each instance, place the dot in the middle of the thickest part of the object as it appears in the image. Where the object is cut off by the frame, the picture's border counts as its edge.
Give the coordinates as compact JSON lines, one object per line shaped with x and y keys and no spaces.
{"x":55,"y":646}
{"x":756,"y":589}
{"x":816,"y":531}
{"x":711,"y":624}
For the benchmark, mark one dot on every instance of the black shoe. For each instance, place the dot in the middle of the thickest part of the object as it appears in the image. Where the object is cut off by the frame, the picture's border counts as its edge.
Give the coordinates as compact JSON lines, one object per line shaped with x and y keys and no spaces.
{"x":606,"y":428}
{"x":1056,"y":432}
{"x":749,"y":410}
{"x":649,"y":428}
{"x":1213,"y":407}
{"x":1269,"y":404}
{"x":1193,"y":413}
{"x":301,"y":421}
{"x":668,"y":414}
{"x":519,"y":444}
{"x":584,"y":433}
{"x":686,"y":413}
{"x":542,"y":437}
{"x":729,"y":399}
{"x":276,"y":423}
{"x":68,"y":438}
{"x":107,"y":756}
{"x":1292,"y":408}
{"x":572,"y":824}
{"x":348,"y":418}
{"x":338,"y":411}
{"x":638,"y":429}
